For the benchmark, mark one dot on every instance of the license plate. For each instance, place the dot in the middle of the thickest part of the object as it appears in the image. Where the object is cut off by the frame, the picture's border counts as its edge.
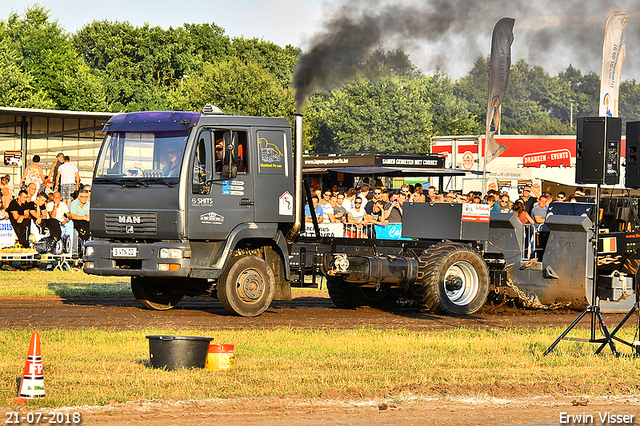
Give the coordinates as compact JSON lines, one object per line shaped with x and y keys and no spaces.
{"x":124,"y":251}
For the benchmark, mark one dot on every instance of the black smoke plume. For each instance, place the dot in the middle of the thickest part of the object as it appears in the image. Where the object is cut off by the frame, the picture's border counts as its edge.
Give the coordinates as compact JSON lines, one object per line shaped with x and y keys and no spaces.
{"x":451,"y":34}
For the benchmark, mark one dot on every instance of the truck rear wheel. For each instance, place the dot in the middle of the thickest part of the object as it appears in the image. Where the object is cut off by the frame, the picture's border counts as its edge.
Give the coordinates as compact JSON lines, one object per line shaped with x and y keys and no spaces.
{"x":246,"y":287}
{"x":453,"y":278}
{"x":153,"y":295}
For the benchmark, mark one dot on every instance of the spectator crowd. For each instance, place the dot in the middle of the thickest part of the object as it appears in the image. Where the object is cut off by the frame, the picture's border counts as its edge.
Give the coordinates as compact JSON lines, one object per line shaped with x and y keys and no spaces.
{"x":381,"y":206}
{"x":44,"y":204}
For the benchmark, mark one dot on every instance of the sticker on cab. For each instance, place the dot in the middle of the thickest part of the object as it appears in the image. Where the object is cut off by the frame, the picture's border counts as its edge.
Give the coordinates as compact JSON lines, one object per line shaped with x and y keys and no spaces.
{"x":212,"y":218}
{"x":285,"y":204}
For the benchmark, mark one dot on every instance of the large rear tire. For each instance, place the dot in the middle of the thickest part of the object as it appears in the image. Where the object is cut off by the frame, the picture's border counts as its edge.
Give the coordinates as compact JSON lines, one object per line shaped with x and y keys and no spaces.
{"x":247,"y":286}
{"x":453,"y":279}
{"x":153,"y":295}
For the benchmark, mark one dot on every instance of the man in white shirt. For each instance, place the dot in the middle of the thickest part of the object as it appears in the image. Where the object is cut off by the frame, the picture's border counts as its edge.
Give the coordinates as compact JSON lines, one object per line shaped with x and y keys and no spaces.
{"x":69,"y":179}
{"x":327,"y":210}
{"x":356,"y":217}
{"x":348,"y":199}
{"x":57,"y":210}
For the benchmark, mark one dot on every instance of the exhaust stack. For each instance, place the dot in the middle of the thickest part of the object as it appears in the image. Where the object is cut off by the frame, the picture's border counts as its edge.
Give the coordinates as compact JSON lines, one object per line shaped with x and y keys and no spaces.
{"x":297,"y":178}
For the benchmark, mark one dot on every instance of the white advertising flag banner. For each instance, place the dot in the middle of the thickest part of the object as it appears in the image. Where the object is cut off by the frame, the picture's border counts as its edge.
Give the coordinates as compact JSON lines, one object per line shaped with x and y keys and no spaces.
{"x":613,"y":52}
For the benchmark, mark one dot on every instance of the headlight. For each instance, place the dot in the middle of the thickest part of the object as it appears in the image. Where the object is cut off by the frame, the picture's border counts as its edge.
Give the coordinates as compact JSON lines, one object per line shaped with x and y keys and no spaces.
{"x":88,"y":251}
{"x":171,"y":253}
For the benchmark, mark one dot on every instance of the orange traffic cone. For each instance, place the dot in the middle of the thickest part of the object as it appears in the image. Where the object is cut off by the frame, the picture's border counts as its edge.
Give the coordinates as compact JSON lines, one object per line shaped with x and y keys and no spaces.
{"x":32,"y":385}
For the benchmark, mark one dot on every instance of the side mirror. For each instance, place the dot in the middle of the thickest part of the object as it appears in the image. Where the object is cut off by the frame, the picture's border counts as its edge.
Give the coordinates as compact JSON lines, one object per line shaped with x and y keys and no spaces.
{"x":229,"y":168}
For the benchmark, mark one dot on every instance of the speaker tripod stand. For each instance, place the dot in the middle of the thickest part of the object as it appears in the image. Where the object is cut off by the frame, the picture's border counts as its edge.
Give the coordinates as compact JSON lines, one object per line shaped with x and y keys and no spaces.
{"x":594,"y":308}
{"x":608,"y":338}
{"x":635,"y":346}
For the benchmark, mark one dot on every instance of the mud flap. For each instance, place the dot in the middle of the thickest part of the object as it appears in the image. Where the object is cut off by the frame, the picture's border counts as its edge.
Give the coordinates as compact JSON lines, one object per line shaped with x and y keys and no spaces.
{"x":282,"y":287}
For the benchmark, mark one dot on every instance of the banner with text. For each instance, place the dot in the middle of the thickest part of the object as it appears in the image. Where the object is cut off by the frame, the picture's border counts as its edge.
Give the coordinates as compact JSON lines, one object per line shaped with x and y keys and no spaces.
{"x":613,"y":53}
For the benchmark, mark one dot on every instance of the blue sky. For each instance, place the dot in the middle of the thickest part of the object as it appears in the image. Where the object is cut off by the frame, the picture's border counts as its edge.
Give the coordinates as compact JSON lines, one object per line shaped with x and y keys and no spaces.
{"x":280,"y":21}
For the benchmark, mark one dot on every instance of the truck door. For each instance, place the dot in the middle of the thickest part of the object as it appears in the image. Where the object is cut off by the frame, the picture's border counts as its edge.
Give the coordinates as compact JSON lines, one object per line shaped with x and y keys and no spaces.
{"x":216,"y":204}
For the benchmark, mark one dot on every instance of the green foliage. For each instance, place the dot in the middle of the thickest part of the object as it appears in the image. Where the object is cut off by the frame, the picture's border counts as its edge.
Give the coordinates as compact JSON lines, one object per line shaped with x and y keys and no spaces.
{"x":16,"y":85}
{"x":140,"y":65}
{"x":278,"y":61}
{"x":235,"y":87}
{"x":44,"y":51}
{"x":533,"y":102}
{"x":392,"y":115}
{"x":630,"y":101}
{"x":473,"y":89}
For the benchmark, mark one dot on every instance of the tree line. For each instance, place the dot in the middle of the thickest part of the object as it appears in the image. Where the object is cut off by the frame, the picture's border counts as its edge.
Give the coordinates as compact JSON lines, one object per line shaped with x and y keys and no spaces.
{"x":389,"y":106}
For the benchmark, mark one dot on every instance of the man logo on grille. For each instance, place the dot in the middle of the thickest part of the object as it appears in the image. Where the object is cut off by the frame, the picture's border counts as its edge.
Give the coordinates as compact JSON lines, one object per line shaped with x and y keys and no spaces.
{"x":129,"y":219}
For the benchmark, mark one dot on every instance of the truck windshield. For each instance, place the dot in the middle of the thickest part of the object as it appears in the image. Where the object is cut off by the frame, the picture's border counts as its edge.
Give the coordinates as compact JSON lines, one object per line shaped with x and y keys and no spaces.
{"x":140,"y":155}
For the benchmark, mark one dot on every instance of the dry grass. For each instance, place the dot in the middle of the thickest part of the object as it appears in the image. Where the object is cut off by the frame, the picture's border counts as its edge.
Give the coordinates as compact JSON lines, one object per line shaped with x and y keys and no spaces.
{"x":96,"y":366}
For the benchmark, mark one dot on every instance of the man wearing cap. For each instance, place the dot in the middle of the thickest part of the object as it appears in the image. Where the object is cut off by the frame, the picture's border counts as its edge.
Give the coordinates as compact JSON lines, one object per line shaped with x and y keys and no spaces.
{"x":528,"y":199}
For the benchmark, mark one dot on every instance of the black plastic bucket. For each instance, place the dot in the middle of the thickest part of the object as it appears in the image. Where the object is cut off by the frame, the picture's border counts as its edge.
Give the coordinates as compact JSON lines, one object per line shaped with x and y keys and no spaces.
{"x":172,"y":352}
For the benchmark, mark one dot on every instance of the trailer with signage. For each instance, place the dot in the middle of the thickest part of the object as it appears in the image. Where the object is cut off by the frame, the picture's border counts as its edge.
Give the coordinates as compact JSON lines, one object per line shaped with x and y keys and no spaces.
{"x":528,"y":159}
{"x":345,"y":170}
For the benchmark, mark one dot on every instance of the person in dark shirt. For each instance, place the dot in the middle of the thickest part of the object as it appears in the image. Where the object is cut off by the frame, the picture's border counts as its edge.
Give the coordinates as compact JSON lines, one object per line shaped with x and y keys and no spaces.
{"x":18,"y":211}
{"x":376,"y":215}
{"x":528,"y":199}
{"x":393,"y":209}
{"x":172,"y":168}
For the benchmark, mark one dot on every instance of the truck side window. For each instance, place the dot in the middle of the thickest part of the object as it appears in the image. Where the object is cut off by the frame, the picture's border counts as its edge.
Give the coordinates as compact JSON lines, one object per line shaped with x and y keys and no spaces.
{"x":241,"y":152}
{"x":202,"y":164}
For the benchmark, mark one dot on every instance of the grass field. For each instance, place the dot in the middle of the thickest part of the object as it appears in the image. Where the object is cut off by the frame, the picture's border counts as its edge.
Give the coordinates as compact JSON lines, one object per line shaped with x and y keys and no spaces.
{"x":95,"y":367}
{"x":58,"y":283}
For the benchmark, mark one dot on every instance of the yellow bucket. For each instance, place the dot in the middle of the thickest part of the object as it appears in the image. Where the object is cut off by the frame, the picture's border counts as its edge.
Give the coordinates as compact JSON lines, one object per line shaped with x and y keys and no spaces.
{"x":220,"y":358}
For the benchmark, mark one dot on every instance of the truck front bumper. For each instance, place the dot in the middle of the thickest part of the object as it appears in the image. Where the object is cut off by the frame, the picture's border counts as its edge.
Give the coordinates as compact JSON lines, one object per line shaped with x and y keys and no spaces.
{"x":159,"y":259}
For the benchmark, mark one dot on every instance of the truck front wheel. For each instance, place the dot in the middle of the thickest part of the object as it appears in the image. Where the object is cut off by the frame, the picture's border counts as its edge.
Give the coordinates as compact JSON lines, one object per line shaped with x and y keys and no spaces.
{"x":153,"y":295}
{"x":246,"y":287}
{"x":452,"y":279}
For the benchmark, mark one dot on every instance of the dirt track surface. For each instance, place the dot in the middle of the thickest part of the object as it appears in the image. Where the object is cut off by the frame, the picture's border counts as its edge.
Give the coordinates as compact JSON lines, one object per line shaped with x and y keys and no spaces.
{"x":307,"y":310}
{"x":401,"y":406}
